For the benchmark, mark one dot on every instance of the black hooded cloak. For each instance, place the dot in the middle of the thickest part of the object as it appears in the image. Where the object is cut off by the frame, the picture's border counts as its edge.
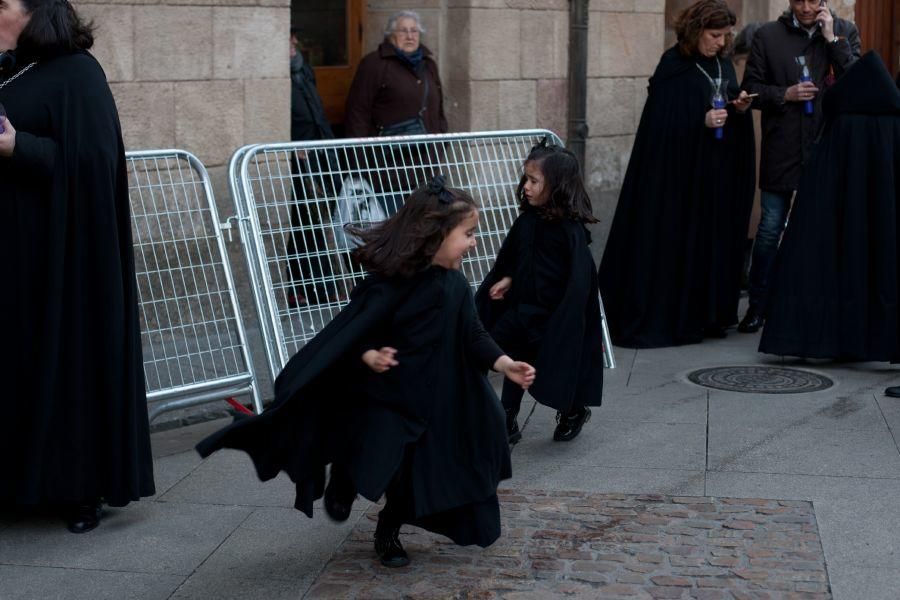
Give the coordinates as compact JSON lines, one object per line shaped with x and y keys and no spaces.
{"x":554,"y":293}
{"x":75,"y":424}
{"x":434,"y":414}
{"x":834,"y":291}
{"x":671,"y":268}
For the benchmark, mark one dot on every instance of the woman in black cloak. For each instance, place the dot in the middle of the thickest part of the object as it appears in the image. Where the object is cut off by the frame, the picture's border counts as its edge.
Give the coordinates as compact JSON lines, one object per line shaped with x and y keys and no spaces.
{"x":74,"y":429}
{"x":671,"y":269}
{"x":393,"y":393}
{"x":836,"y":278}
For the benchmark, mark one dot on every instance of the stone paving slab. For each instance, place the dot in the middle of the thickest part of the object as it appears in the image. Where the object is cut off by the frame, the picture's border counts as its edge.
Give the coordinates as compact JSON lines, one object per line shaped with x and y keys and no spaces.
{"x":29,"y":583}
{"x":583,"y":545}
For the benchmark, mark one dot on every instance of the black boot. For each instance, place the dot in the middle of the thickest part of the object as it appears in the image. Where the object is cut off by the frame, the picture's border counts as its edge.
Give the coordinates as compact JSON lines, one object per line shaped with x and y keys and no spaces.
{"x":512,"y":426}
{"x":339,"y":495}
{"x":388,"y":547}
{"x":569,"y":426}
{"x":81,"y":518}
{"x":751,"y":322}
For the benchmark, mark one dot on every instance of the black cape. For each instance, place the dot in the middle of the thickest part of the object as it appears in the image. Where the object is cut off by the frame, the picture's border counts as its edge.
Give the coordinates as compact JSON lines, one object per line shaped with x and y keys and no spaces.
{"x":435,"y":412}
{"x":75,"y":424}
{"x":562,"y":295}
{"x":834,"y":283}
{"x":672,"y":264}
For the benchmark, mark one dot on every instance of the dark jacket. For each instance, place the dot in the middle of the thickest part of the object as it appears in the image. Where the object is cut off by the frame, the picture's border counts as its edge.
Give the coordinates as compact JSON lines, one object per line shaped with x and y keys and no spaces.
{"x":308,"y":121}
{"x":788,"y":133}
{"x":386,"y":90}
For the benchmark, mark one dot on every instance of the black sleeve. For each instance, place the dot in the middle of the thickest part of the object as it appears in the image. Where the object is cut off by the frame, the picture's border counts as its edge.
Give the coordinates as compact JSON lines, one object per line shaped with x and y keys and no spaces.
{"x":845,"y":51}
{"x":756,"y":79}
{"x":480,"y":345}
{"x":34,"y":155}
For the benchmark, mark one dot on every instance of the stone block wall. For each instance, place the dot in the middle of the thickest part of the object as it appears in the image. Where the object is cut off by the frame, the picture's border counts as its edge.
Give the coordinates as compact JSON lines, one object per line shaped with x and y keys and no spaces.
{"x":206,"y":76}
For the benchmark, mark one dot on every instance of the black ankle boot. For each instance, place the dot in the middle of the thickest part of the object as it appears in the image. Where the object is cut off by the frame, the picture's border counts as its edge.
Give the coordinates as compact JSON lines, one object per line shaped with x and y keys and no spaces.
{"x":388,"y":547}
{"x":569,"y":426}
{"x":512,"y":426}
{"x":81,"y":518}
{"x":339,"y":495}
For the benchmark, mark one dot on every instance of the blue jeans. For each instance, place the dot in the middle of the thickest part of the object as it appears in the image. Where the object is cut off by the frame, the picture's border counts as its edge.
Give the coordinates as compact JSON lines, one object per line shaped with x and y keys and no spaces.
{"x":775,"y":206}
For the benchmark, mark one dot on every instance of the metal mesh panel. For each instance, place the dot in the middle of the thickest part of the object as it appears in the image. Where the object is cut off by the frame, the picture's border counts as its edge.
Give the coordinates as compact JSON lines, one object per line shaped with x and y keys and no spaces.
{"x":294,"y":200}
{"x":193,"y":343}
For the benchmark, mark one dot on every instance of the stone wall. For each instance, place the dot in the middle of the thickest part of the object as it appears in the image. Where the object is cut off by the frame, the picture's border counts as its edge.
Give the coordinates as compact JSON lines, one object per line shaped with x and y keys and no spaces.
{"x":206,"y":76}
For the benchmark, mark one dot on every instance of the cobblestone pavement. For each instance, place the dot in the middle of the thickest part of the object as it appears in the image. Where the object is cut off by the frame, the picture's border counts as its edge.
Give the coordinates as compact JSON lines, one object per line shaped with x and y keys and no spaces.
{"x":583,"y":545}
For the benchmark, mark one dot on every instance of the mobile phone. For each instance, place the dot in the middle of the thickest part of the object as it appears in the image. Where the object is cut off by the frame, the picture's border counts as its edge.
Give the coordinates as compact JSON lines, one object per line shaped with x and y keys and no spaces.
{"x":2,"y":115}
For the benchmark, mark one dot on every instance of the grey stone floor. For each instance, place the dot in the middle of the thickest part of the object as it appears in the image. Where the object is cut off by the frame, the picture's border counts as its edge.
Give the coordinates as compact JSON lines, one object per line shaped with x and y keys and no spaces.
{"x":214,"y":531}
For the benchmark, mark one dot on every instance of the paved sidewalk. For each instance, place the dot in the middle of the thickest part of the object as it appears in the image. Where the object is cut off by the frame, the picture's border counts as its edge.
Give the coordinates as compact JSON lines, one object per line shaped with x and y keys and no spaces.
{"x":830,"y":458}
{"x":582,"y":545}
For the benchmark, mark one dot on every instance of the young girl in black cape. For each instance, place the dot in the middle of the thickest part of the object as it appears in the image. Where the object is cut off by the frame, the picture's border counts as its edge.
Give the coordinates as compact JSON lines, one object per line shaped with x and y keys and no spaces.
{"x":393,"y":392}
{"x":540,"y":301}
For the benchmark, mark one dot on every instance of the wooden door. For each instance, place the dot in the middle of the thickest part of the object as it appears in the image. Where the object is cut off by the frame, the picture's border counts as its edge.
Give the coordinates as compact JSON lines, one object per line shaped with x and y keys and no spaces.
{"x":331,"y":40}
{"x":879,"y":29}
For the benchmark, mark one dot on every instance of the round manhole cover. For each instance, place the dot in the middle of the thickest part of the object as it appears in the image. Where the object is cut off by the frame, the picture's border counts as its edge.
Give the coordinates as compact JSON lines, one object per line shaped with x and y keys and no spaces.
{"x":761,"y":379}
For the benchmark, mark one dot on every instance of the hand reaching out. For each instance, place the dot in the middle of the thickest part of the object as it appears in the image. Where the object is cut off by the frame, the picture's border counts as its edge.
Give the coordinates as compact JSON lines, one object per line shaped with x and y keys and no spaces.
{"x":499,"y":289}
{"x":380,"y":360}
{"x":520,"y":373}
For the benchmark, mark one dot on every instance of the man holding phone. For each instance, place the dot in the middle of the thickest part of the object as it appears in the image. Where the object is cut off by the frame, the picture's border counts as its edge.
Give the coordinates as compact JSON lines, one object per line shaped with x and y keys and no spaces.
{"x":828,"y":45}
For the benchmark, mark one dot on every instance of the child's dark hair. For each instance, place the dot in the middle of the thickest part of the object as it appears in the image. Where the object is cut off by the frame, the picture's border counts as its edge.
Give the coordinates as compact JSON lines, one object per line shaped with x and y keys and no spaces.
{"x":405,"y":244}
{"x":567,"y":198}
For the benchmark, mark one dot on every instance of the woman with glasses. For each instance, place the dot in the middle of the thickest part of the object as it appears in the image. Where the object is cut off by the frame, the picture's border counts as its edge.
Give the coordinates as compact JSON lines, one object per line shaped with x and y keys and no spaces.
{"x":397,"y":90}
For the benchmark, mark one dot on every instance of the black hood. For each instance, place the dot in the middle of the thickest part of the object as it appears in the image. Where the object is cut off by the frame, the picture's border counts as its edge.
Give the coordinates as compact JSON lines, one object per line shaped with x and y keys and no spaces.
{"x":865,"y":89}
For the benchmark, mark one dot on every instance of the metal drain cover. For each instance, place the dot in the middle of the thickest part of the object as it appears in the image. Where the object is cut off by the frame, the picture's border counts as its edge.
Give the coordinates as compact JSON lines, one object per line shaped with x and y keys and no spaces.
{"x":760,"y":379}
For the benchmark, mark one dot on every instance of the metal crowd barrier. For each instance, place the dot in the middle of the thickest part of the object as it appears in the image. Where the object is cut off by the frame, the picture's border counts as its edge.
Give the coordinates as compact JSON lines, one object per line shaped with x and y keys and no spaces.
{"x":194,"y":343}
{"x":294,"y":198}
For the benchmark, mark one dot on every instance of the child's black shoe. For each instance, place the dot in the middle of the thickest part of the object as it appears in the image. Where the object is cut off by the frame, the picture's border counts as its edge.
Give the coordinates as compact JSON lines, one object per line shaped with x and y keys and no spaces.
{"x":339,"y":495}
{"x":512,"y":426}
{"x":389,"y":549}
{"x":569,"y":426}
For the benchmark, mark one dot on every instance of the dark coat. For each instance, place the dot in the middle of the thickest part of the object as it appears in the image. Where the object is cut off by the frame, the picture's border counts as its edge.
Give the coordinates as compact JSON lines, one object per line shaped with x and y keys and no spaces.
{"x":75,"y":421}
{"x":788,"y":133}
{"x":554,"y":293}
{"x":671,"y":266}
{"x":386,"y":90}
{"x":308,"y":121}
{"x":436,"y":408}
{"x":835,"y":284}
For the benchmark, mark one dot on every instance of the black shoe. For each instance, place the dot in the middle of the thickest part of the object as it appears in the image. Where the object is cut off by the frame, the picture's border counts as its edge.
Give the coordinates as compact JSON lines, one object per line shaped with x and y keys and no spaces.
{"x":714,"y":331}
{"x":389,"y":549}
{"x":339,"y":496}
{"x":751,"y":322}
{"x":569,"y":426}
{"x":512,"y":426}
{"x":82,"y":518}
{"x":893,"y":391}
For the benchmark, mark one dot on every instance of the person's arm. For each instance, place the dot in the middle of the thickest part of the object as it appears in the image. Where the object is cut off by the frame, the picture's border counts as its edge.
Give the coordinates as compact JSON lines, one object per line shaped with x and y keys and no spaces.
{"x":756,"y":78}
{"x":844,"y":51}
{"x":29,"y":153}
{"x":439,"y":90}
{"x":488,"y":355}
{"x":358,"y":114}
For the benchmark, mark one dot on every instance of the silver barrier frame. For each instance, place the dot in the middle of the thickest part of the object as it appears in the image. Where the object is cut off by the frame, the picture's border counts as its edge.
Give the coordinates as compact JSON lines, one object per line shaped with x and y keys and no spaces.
{"x":182,"y":395}
{"x":242,"y":180}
